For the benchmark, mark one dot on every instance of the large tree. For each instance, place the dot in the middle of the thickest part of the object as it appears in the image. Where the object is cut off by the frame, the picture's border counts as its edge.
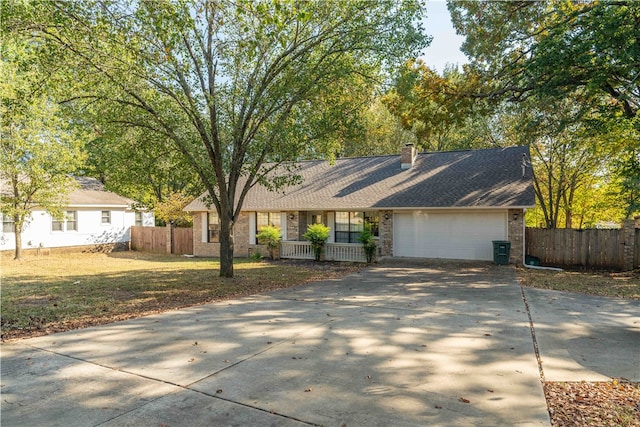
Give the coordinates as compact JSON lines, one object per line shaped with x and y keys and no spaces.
{"x":231,"y":83}
{"x":554,"y":48}
{"x":39,"y":146}
{"x":551,"y":51}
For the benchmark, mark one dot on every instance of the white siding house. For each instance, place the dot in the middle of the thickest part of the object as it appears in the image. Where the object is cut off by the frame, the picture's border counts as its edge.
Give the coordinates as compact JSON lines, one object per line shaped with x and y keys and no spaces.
{"x":94,"y":217}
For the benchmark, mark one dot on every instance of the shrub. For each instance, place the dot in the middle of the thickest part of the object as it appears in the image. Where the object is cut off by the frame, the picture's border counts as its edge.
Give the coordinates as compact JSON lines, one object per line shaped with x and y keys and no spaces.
{"x":256,"y":256}
{"x":369,"y":243}
{"x":270,"y":237}
{"x":317,"y":235}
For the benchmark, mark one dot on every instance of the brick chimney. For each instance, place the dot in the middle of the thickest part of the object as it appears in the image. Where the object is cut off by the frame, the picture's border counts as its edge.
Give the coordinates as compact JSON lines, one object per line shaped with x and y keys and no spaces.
{"x":407,"y":156}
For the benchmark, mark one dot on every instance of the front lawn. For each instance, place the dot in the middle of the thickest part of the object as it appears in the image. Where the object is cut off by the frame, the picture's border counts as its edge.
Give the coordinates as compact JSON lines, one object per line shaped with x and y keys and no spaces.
{"x":45,"y":294}
{"x":600,"y":283}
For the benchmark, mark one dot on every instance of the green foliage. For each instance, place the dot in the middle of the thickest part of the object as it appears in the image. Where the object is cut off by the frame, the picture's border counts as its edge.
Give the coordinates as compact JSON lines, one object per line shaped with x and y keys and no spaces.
{"x":233,"y":85}
{"x":554,"y":49}
{"x":256,"y":256}
{"x":369,"y":243}
{"x":171,"y":210}
{"x":433,"y":106}
{"x":39,"y":145}
{"x":317,"y":235}
{"x":270,"y":236}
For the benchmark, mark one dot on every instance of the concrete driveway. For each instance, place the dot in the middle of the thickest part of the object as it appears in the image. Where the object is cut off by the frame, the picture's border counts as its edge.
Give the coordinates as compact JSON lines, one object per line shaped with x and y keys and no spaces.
{"x":397,"y":344}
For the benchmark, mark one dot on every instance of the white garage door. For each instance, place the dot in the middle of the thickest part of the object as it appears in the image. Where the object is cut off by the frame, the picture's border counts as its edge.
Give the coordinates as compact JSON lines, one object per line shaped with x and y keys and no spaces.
{"x":448,"y":234}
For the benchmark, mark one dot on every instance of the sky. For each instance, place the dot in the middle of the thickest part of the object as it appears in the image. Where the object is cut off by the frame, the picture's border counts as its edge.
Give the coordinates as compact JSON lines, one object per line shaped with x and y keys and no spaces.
{"x":445,"y":46}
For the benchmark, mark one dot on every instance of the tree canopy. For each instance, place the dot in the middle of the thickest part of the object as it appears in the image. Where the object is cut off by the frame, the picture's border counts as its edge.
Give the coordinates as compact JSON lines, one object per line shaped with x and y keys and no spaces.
{"x":39,"y":145}
{"x":236,"y":86}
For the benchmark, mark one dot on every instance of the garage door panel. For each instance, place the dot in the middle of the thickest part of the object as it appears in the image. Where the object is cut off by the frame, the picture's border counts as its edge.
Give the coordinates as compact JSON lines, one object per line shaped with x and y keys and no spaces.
{"x":448,"y":235}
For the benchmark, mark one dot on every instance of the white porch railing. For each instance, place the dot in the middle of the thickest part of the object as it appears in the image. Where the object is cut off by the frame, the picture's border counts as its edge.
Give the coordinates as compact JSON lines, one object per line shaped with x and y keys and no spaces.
{"x":332,"y":251}
{"x":345,"y":252}
{"x":296,"y":250}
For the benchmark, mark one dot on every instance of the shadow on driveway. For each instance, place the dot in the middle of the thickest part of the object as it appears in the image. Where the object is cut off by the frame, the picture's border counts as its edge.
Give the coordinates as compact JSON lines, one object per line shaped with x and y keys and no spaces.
{"x":396,"y":344}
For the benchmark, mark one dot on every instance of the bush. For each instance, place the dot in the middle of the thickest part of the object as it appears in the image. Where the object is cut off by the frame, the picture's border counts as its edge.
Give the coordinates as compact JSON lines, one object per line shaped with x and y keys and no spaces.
{"x":270,"y":237}
{"x":369,"y":243}
{"x":317,"y":235}
{"x":256,"y":256}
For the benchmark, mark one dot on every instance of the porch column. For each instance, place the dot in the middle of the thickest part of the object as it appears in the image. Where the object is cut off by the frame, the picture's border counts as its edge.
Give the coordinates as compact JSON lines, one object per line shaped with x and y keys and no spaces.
{"x":515,"y":220}
{"x":629,"y":237}
{"x":386,"y":233}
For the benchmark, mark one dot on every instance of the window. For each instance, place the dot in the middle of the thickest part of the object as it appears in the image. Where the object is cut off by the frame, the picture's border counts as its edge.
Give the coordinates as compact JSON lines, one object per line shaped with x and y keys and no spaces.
{"x":266,"y":218}
{"x":106,"y":217}
{"x":349,"y":225}
{"x":139,"y":218}
{"x":8,"y":226}
{"x":72,"y":221}
{"x":213,"y":221}
{"x":69,"y":223}
{"x":57,"y":225}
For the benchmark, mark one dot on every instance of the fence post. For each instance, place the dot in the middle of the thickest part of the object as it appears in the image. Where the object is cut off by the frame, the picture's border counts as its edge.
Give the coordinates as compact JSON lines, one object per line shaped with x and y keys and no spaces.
{"x":629,"y":237}
{"x":169,"y":238}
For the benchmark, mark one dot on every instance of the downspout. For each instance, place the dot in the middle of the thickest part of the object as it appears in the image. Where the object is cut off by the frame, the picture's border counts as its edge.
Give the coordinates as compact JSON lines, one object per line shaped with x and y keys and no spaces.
{"x":524,"y":246}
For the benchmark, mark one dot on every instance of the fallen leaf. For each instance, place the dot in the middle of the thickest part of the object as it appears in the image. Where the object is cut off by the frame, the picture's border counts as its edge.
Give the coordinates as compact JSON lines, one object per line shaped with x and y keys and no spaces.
{"x":487,"y":335}
{"x":219,"y":391}
{"x":192,"y":359}
{"x":438,"y":407}
{"x":462,"y":399}
{"x":308,"y":389}
{"x":489,"y":390}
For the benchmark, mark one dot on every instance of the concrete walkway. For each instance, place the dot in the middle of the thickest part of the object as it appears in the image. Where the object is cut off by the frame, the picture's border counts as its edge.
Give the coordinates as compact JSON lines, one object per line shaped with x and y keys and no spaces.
{"x":397,"y":344}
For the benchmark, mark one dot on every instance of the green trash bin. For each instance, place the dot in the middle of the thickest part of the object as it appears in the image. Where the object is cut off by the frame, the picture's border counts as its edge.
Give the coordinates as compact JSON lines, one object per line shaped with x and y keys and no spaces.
{"x":501,"y":249}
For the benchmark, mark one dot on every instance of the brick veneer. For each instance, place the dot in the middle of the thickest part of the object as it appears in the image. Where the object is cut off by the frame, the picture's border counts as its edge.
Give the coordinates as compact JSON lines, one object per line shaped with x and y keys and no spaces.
{"x":240,"y":233}
{"x":516,"y":235}
{"x":386,"y":233}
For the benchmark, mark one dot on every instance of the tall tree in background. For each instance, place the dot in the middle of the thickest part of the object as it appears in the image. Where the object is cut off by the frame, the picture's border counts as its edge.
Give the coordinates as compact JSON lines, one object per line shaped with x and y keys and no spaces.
{"x":556,"y":50}
{"x":232,"y":84}
{"x":39,"y":146}
{"x":431,"y":105}
{"x":552,"y":49}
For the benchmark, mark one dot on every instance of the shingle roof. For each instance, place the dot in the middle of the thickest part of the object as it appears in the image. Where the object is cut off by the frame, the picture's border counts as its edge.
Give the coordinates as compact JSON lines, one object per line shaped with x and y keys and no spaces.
{"x":92,"y":193}
{"x":474,"y":178}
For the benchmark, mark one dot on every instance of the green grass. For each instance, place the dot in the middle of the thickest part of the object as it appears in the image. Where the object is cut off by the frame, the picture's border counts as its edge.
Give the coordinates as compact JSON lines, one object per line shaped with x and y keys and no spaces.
{"x":59,"y":292}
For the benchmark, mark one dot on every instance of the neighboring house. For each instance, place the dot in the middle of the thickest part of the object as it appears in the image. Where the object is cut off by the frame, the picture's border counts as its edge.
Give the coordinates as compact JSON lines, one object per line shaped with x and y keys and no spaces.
{"x":94,"y":218}
{"x":449,"y":205}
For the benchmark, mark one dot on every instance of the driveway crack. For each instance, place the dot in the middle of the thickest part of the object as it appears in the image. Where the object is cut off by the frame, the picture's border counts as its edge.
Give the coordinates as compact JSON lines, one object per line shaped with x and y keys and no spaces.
{"x":533,"y":334}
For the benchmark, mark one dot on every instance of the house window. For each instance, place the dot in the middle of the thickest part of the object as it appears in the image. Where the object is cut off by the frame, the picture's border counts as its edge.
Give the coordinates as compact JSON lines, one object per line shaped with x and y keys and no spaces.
{"x":72,"y":221}
{"x":69,"y":223}
{"x":106,"y":217}
{"x":213,"y":227}
{"x":264,"y":219}
{"x":8,"y":226}
{"x":139,"y":218}
{"x":349,"y":225}
{"x":57,"y":225}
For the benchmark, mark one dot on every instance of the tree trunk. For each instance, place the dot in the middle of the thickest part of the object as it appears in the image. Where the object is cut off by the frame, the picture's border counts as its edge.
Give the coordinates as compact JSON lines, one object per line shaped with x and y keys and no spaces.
{"x":18,"y":233}
{"x":226,"y":246}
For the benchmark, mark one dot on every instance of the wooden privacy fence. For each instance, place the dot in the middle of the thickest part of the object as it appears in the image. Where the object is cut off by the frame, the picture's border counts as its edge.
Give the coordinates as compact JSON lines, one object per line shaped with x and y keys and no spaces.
{"x":162,"y":240}
{"x":592,"y":248}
